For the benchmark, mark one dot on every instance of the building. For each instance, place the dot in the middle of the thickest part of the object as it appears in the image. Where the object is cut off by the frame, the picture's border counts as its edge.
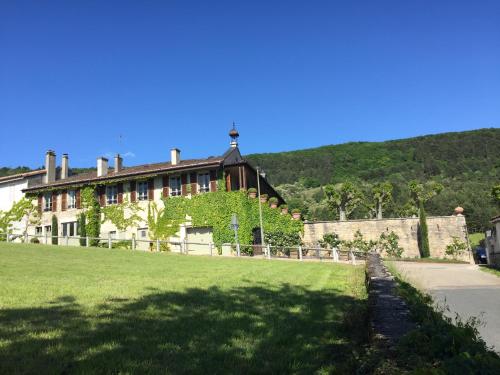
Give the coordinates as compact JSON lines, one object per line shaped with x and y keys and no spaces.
{"x":11,"y":191}
{"x":60,"y":195}
{"x":492,"y":242}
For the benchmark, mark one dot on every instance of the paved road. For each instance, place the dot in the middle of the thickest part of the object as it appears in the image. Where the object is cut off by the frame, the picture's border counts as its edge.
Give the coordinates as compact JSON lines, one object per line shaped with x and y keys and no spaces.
{"x":467,"y":291}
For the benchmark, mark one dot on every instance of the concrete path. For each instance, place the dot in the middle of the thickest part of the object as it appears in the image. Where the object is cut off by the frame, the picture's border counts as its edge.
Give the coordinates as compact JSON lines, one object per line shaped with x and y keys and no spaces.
{"x":464,"y":288}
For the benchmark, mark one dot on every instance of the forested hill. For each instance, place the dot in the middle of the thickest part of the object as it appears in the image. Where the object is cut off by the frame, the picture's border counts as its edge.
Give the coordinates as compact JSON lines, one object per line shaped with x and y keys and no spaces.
{"x":466,"y":163}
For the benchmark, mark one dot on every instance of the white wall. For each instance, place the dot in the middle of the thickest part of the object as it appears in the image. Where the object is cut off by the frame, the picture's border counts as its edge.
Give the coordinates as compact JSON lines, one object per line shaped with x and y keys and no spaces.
{"x":10,"y":193}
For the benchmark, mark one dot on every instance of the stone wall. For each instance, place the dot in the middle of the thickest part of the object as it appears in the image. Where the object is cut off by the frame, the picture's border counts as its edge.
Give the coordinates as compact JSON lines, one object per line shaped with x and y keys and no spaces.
{"x":442,"y":229}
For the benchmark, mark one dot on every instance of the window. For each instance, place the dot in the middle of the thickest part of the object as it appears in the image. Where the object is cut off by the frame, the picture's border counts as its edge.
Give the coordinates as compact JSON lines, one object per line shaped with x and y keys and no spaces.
{"x":204,"y":182}
{"x":71,"y":199}
{"x":47,"y":198}
{"x":112,"y":234}
{"x":142,"y":191}
{"x":175,"y":186}
{"x":38,"y":231}
{"x":142,"y":233}
{"x":111,"y":194}
{"x":69,"y":229}
{"x":48,"y":230}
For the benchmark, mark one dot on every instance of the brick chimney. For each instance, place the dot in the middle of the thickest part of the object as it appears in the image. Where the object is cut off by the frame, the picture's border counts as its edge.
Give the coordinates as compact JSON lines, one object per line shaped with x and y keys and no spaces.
{"x":50,"y":166}
{"x":64,"y":167}
{"x":175,"y":156}
{"x":118,"y":163}
{"x":102,"y":166}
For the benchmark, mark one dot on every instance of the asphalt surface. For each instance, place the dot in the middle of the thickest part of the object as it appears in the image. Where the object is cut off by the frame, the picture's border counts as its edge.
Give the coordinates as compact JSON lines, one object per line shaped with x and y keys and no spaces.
{"x":465,"y":289}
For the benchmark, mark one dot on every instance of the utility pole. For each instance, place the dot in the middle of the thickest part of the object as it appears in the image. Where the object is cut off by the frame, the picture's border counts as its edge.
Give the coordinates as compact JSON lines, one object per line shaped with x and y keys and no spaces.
{"x":263,"y":243}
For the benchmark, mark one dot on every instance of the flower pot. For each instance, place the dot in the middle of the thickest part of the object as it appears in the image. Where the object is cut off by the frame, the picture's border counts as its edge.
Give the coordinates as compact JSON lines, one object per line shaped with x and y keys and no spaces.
{"x":252,"y":194}
{"x":284,"y":211}
{"x":274,"y":205}
{"x":296,"y":216}
{"x":263,"y":199}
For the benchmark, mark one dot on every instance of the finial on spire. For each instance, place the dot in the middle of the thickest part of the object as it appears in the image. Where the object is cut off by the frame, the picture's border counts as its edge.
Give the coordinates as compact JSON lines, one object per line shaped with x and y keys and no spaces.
{"x":233,"y":133}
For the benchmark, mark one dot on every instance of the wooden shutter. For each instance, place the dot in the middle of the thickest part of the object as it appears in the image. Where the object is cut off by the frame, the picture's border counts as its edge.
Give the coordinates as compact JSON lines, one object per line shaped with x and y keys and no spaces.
{"x":78,"y":199}
{"x":120,"y":192}
{"x":166,"y":191}
{"x":40,"y":203}
{"x":194,"y":183}
{"x":213,"y":180}
{"x":64,"y":200}
{"x":133,"y":191}
{"x":54,"y":202}
{"x":102,"y":195}
{"x":151,"y":189}
{"x":184,"y":184}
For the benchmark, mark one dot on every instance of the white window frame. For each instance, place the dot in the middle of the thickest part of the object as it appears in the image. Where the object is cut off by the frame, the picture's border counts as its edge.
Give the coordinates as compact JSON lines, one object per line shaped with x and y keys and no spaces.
{"x":111,"y":195}
{"x":39,"y":231}
{"x":68,"y":227}
{"x":178,"y":191}
{"x":142,"y":195}
{"x":47,"y":202}
{"x":71,"y":199}
{"x":48,"y":229}
{"x":139,"y":230}
{"x":203,"y":188}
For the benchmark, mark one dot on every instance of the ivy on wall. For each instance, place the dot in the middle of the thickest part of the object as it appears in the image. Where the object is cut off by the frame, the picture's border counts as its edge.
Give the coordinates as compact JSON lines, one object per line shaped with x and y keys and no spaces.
{"x":92,"y":212}
{"x":123,"y":215}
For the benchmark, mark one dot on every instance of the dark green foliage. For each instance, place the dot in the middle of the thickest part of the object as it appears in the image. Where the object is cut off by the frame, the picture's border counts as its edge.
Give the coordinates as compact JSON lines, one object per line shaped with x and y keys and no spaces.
{"x":282,"y":239}
{"x":423,"y":232}
{"x":330,"y":240}
{"x":5,"y":171}
{"x":34,"y":240}
{"x":82,"y":229}
{"x":465,"y":163}
{"x":55,"y":230}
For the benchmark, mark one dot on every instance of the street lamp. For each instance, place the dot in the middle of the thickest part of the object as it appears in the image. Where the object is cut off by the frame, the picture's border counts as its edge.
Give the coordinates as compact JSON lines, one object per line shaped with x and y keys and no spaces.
{"x":259,"y":171}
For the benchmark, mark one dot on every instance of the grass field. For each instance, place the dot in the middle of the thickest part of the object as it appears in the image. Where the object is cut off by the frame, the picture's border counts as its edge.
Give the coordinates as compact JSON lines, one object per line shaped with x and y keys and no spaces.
{"x":78,"y":310}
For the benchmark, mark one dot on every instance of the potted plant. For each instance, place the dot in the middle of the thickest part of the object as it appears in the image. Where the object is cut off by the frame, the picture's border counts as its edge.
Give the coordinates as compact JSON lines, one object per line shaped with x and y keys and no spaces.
{"x":273,"y":202}
{"x":252,"y":193}
{"x":263,"y":198}
{"x":296,"y":214}
{"x":284,"y":209}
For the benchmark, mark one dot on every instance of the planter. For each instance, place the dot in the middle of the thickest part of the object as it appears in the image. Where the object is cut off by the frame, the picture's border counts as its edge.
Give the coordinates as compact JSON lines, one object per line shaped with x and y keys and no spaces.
{"x":263,"y":198}
{"x":296,"y":216}
{"x":284,"y":211}
{"x":252,"y":194}
{"x":274,"y":205}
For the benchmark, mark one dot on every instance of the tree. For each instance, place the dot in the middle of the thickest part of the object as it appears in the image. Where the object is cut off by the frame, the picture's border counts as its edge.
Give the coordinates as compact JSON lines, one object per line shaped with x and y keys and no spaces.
{"x":344,"y":197}
{"x":55,"y":230}
{"x":24,"y":208}
{"x":495,"y":194}
{"x":381,"y":194}
{"x":421,"y":193}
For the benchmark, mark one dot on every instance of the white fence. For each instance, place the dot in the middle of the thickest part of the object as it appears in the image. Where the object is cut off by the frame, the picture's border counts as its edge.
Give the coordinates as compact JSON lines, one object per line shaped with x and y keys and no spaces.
{"x":300,"y":253}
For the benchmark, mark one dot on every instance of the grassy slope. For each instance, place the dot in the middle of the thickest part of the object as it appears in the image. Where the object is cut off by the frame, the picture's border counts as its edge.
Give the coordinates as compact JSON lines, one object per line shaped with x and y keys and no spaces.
{"x":86,"y":310}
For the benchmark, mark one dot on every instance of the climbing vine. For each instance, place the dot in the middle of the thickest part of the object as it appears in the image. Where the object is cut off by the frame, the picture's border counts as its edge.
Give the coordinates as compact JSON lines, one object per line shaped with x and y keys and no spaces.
{"x":22,"y":208}
{"x":123,"y":215}
{"x":92,"y":212}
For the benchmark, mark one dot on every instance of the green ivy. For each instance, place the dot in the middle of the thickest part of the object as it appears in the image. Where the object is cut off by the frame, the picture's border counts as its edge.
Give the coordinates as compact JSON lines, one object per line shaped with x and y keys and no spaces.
{"x":92,"y":212}
{"x":116,"y":214}
{"x":82,"y":229}
{"x":55,"y":232}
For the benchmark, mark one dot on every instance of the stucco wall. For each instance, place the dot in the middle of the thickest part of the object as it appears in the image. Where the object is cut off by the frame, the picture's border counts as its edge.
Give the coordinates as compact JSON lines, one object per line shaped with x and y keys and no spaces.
{"x":442,"y":229}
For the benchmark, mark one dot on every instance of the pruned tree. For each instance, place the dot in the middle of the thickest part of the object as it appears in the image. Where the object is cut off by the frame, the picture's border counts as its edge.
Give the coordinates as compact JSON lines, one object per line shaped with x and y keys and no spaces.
{"x":381,"y":195}
{"x":344,"y":197}
{"x":24,"y":208}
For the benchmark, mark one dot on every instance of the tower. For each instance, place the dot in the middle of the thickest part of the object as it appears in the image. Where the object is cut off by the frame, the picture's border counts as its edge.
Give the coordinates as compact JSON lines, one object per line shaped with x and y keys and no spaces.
{"x":233,"y":133}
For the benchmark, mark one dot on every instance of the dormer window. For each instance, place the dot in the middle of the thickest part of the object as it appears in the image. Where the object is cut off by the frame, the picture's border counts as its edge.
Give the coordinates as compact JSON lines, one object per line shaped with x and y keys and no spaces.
{"x":203,"y":182}
{"x":111,"y":194}
{"x":175,"y":186}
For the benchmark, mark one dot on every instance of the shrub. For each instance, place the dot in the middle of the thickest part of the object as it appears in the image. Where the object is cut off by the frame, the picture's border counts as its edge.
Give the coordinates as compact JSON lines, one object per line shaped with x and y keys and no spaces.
{"x":295,"y":211}
{"x":283,"y":240}
{"x":456,"y":248}
{"x":284,"y":206}
{"x":273,"y":200}
{"x":34,"y":240}
{"x":252,"y":190}
{"x":330,"y":240}
{"x":390,"y":244}
{"x":55,"y":230}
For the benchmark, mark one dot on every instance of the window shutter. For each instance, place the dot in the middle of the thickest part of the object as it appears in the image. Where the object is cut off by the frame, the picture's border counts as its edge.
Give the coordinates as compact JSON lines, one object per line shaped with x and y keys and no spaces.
{"x":78,"y":199}
{"x":40,"y":203}
{"x":120,"y":192}
{"x":54,"y":202}
{"x":102,"y":195}
{"x":166,"y":192}
{"x":64,"y":200}
{"x":184,"y":184}
{"x":213,"y":180}
{"x":151,"y":189}
{"x":133,"y":191}
{"x":194,"y":183}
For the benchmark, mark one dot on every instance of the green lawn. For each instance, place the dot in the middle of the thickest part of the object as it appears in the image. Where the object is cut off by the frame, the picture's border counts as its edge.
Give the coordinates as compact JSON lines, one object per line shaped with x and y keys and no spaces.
{"x":490,"y":269}
{"x":79,"y":310}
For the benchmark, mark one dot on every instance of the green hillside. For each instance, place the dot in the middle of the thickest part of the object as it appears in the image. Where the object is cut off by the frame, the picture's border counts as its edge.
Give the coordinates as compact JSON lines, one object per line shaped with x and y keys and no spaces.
{"x":466,"y":163}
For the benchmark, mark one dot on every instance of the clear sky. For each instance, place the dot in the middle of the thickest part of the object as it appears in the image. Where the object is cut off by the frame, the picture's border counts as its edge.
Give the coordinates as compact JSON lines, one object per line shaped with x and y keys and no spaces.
{"x":78,"y":76}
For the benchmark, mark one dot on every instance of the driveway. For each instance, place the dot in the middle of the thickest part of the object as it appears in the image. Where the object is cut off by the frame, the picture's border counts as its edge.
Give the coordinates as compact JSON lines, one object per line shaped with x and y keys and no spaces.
{"x":466,"y":290}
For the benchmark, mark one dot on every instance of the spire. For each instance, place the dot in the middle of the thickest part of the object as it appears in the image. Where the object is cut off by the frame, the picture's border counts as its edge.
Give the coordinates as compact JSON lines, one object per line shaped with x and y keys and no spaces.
{"x":233,"y":133}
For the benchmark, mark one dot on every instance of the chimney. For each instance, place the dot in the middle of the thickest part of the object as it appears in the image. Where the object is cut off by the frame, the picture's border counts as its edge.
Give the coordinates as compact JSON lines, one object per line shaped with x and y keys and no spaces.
{"x":50,"y":166}
{"x":64,"y":167}
{"x":175,"y":156}
{"x":102,"y":166}
{"x":118,"y":163}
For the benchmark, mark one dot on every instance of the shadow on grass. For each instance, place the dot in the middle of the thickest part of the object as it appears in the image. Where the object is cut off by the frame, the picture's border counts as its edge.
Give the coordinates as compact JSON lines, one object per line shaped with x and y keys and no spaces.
{"x":242,"y":330}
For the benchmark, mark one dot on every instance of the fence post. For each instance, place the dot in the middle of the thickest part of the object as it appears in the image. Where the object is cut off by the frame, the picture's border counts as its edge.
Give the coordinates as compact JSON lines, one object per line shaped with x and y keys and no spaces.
{"x":211,"y":247}
{"x":238,"y":249}
{"x":158,"y":245}
{"x":25,"y":237}
{"x":353,"y":258}
{"x":300,"y":252}
{"x":133,"y":242}
{"x":87,"y":241}
{"x":335,"y":254}
{"x":185,"y":245}
{"x":66,"y":239}
{"x":268,"y":251}
{"x":109,"y":241}
{"x":46,"y":239}
{"x":318,"y":253}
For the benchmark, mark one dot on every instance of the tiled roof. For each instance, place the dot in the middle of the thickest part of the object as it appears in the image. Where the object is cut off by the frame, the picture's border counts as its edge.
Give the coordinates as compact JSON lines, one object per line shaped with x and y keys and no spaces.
{"x":21,"y":175}
{"x":137,"y":170}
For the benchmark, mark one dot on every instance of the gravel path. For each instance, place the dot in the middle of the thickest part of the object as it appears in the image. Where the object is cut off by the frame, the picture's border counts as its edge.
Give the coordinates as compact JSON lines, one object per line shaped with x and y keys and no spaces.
{"x":466,"y":290}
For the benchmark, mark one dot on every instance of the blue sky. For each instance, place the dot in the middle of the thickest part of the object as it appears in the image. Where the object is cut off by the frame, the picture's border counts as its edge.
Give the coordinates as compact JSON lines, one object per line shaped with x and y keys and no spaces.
{"x":78,"y":76}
